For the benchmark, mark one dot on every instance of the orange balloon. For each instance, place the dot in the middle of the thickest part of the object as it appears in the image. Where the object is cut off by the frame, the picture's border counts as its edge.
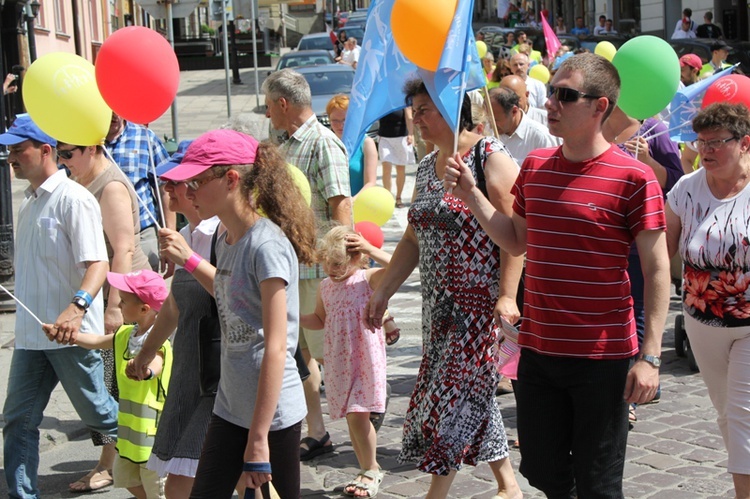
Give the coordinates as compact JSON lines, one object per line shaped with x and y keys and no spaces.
{"x":420,"y":29}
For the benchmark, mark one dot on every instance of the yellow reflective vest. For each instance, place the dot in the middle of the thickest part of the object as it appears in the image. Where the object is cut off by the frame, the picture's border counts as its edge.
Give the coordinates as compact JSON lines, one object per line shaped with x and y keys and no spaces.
{"x":141,"y":402}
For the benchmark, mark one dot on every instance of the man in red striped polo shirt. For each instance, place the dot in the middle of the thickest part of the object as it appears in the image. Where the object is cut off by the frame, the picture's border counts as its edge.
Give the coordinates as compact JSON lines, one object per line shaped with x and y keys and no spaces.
{"x":578,"y":208}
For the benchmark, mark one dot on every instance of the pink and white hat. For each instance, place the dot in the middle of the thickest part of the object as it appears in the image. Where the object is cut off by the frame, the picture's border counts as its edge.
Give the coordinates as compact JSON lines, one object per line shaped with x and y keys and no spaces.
{"x":147,"y":285}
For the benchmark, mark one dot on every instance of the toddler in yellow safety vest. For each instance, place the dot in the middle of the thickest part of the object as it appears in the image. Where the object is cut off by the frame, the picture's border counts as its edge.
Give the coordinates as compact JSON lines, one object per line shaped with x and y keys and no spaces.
{"x":141,"y":402}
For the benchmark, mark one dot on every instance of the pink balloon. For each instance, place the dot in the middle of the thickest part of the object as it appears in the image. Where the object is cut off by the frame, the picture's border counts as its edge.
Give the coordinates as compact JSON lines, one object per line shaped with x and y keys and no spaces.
{"x":733,"y":89}
{"x":137,"y":74}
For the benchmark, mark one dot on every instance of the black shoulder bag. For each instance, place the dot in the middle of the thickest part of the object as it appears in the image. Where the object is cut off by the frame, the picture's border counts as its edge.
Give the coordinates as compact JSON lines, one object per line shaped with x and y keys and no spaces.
{"x":209,"y":342}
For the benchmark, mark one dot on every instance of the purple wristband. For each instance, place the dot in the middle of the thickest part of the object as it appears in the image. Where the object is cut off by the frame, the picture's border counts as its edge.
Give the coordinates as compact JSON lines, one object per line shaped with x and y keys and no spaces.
{"x":192,"y":262}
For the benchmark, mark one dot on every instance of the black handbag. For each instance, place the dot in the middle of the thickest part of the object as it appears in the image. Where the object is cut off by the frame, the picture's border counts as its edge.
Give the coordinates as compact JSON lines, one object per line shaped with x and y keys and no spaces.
{"x":209,"y":343}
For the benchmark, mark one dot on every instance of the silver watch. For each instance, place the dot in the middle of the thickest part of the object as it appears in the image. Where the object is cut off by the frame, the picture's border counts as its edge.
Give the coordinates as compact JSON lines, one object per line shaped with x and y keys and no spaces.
{"x":651,"y":359}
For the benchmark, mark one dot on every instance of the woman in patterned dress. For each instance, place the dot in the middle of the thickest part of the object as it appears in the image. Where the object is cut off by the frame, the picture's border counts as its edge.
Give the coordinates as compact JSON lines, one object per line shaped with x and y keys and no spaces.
{"x":453,"y":417}
{"x":708,"y":221}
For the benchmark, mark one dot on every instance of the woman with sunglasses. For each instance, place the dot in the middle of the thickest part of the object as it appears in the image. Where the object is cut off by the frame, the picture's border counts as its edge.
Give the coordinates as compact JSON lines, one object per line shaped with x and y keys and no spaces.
{"x":453,"y":418}
{"x":708,"y":222}
{"x":257,"y":416}
{"x":184,"y":421}
{"x":90,"y":167}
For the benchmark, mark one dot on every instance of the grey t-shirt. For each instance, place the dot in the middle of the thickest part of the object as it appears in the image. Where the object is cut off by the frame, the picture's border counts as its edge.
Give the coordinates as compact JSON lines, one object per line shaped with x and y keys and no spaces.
{"x":262,"y":253}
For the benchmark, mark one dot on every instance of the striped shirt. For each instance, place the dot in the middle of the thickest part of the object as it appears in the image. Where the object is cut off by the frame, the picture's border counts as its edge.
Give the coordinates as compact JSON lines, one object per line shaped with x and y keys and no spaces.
{"x":130,"y":152}
{"x":59,"y":229}
{"x":582,"y":219}
{"x":321,"y":156}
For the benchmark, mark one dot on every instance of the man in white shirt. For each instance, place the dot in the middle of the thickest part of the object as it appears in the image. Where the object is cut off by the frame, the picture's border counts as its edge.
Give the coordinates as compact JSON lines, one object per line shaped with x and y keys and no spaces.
{"x":686,"y":13}
{"x":517,"y":84}
{"x":61,"y":263}
{"x":350,"y":55}
{"x":599,"y":30}
{"x":519,"y":133}
{"x":684,"y":31}
{"x":519,"y":65}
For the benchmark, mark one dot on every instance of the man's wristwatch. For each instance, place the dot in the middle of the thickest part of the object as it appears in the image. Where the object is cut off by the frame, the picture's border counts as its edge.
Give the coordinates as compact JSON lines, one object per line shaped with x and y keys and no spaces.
{"x":651,"y":359}
{"x":80,"y":303}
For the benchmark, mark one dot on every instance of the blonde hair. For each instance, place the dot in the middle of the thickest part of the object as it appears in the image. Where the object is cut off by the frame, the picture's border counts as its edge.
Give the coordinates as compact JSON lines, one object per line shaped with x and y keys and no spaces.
{"x":332,"y":249}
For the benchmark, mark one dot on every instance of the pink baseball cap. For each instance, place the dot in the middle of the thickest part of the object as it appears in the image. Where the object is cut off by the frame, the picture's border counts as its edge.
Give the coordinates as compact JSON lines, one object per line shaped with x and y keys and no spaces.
{"x":214,"y":148}
{"x":691,"y":60}
{"x":147,"y":285}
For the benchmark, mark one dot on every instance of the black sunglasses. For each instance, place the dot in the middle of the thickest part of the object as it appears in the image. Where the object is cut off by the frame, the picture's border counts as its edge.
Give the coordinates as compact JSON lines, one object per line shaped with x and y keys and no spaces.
{"x":563,"y":94}
{"x":66,"y":154}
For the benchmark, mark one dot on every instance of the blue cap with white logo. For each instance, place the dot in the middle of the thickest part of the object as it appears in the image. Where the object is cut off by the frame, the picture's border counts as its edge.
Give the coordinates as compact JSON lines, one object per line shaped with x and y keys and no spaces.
{"x":23,"y":128}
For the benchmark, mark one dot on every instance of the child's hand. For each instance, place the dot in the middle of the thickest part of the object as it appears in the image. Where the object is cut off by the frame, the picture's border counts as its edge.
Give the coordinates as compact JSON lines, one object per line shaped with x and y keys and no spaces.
{"x":50,"y":332}
{"x":355,"y":243}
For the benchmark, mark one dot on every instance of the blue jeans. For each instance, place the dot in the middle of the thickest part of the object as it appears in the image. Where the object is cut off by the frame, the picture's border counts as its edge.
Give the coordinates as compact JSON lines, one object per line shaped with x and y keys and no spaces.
{"x":33,"y":376}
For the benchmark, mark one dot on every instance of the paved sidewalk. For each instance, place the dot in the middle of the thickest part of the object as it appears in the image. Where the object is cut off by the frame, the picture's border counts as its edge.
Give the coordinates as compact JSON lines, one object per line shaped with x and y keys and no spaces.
{"x":674,"y":451}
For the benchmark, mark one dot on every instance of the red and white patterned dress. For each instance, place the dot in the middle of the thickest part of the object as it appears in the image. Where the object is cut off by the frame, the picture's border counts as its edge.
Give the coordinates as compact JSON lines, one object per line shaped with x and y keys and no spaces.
{"x":353,"y":352}
{"x":453,"y":417}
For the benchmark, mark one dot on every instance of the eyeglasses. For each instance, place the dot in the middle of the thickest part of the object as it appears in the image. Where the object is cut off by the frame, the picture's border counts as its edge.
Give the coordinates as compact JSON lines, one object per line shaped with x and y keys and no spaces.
{"x":66,"y":154}
{"x":170,"y":183}
{"x":712,"y":144}
{"x":196,"y":184}
{"x":563,"y":94}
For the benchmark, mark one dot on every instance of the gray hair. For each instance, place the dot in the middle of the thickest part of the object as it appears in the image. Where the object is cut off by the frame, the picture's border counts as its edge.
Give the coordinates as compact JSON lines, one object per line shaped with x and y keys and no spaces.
{"x":244,"y":123}
{"x":290,"y":85}
{"x":504,"y":97}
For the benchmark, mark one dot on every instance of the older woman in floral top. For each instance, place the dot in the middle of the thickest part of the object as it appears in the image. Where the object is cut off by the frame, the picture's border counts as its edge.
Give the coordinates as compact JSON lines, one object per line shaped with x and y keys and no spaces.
{"x":708,"y":217}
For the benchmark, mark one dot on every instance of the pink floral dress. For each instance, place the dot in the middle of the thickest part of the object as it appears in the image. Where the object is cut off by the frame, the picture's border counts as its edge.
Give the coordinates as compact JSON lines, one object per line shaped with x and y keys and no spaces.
{"x":354,"y":354}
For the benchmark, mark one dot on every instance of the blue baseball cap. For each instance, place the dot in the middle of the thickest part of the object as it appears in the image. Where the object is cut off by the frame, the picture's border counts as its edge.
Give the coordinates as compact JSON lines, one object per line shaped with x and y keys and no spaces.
{"x":175,"y":159}
{"x":23,"y":128}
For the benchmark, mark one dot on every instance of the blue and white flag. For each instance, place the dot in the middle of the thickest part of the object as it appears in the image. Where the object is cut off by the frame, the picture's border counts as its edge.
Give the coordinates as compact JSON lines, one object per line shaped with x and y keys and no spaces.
{"x":686,"y":104}
{"x":382,"y":70}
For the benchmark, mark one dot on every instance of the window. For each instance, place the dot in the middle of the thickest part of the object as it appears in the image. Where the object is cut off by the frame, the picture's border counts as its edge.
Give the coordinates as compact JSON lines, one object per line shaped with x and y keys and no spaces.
{"x":41,"y":20}
{"x":59,"y":15}
{"x":94,"y":19}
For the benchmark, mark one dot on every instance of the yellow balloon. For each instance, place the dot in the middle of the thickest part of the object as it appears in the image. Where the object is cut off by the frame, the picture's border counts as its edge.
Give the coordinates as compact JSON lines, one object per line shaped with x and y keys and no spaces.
{"x":300,"y":181}
{"x":422,"y":42}
{"x":606,"y":50}
{"x":481,"y":48}
{"x":540,"y":72}
{"x":374,"y":204}
{"x":61,"y":96}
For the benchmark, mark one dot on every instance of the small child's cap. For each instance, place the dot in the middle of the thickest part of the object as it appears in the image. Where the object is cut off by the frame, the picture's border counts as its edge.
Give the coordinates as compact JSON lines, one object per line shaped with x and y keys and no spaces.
{"x":147,"y":285}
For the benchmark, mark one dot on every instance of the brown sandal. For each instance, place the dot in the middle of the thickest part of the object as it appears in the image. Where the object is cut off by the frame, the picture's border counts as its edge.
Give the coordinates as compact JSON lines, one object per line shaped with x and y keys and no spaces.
{"x":93,"y":480}
{"x":391,"y":337}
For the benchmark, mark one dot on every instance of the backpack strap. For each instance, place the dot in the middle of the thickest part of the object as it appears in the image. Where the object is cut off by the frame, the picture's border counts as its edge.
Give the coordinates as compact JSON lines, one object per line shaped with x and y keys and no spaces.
{"x":479,"y":167}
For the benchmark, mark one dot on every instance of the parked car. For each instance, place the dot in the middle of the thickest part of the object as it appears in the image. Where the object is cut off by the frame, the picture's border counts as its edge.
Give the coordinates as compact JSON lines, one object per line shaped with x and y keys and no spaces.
{"x":590,"y":42}
{"x":355,"y":31}
{"x":702,"y":48}
{"x":300,"y":58}
{"x":315,"y":41}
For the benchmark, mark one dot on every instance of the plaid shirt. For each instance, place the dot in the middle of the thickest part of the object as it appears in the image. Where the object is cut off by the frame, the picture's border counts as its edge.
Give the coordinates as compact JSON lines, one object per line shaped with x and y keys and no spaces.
{"x":130,"y":152}
{"x":317,"y":151}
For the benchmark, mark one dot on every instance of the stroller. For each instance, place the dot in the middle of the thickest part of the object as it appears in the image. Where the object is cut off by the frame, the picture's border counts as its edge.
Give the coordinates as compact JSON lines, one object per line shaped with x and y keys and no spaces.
{"x":681,"y":341}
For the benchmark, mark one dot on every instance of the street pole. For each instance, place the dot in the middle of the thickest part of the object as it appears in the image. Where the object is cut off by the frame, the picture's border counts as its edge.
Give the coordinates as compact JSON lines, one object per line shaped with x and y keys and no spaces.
{"x":226,"y":61}
{"x":255,"y":55}
{"x":170,"y":38}
{"x":7,"y":248}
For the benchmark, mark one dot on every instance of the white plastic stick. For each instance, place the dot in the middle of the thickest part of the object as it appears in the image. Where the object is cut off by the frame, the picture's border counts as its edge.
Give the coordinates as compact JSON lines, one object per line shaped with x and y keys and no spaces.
{"x":22,"y":305}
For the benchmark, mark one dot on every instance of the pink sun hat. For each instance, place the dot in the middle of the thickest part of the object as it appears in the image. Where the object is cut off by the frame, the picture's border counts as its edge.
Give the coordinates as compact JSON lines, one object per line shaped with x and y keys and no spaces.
{"x":147,"y":285}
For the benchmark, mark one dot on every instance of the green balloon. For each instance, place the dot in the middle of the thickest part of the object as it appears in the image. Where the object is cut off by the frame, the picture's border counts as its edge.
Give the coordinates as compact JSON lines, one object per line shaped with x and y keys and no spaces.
{"x":649,"y":75}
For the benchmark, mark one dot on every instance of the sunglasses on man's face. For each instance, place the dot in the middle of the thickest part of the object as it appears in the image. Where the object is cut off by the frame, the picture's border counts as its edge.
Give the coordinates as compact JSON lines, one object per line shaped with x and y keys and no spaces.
{"x":563,"y":94}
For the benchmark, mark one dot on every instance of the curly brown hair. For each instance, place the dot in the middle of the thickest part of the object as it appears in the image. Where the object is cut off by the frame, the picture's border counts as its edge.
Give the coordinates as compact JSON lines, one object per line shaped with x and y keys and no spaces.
{"x":734,"y":118}
{"x":270,"y":183}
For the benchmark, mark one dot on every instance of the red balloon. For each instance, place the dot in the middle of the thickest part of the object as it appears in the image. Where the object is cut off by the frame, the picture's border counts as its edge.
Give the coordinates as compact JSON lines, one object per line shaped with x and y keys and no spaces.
{"x":137,"y":73}
{"x":371,"y":232}
{"x":733,"y":89}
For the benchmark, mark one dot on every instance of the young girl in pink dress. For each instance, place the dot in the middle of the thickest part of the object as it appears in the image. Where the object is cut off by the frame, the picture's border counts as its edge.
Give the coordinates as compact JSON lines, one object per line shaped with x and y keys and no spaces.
{"x":354,"y":353}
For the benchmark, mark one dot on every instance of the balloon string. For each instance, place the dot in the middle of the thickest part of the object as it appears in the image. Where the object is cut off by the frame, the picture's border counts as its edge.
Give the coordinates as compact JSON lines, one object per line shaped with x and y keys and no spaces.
{"x":22,"y":305}
{"x":153,"y":172}
{"x":131,"y":187}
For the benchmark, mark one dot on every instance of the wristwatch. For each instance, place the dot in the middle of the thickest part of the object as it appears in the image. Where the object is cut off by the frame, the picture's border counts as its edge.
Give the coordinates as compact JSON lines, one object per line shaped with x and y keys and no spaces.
{"x":651,"y":359}
{"x":80,"y":303}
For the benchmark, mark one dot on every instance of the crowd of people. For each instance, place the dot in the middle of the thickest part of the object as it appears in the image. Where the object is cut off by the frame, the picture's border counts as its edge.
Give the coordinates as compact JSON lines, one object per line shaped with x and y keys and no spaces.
{"x":549,"y":208}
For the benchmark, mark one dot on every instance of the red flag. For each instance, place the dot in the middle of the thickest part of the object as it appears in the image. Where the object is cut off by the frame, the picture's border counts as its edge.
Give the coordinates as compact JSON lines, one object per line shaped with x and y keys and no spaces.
{"x":550,"y":39}
{"x":332,"y":35}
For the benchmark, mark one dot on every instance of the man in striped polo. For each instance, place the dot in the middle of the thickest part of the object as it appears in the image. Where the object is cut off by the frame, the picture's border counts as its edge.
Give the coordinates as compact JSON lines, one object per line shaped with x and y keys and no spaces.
{"x":578,"y":208}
